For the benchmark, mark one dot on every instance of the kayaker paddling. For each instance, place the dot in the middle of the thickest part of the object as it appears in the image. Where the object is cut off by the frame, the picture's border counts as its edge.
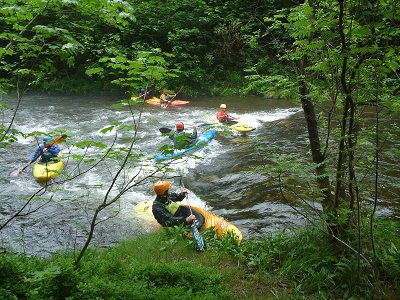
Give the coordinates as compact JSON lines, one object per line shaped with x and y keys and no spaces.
{"x":182,"y":139}
{"x":166,"y":98}
{"x":143,"y":94}
{"x":46,"y":151}
{"x":223,"y":116}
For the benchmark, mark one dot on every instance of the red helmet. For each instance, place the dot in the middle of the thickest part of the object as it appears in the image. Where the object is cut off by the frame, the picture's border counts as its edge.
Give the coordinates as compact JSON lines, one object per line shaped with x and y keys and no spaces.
{"x":161,"y":186}
{"x":180,"y":126}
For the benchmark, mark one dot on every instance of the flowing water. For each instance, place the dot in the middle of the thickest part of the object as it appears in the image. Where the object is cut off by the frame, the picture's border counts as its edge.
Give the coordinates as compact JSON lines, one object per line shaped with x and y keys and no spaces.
{"x":224,"y":178}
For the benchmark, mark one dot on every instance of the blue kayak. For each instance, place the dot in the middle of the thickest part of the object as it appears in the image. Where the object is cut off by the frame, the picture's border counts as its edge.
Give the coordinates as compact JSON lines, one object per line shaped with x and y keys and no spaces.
{"x":201,"y":141}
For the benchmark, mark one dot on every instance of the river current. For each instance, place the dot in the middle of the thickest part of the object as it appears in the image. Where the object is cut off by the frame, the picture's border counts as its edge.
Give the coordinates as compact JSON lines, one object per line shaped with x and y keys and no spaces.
{"x":223,"y":177}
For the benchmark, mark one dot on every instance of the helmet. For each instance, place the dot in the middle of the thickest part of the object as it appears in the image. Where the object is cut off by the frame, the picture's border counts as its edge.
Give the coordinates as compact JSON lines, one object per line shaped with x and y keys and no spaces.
{"x":180,"y":126}
{"x":222,"y":106}
{"x":142,"y":90}
{"x":46,"y":138}
{"x":161,"y":186}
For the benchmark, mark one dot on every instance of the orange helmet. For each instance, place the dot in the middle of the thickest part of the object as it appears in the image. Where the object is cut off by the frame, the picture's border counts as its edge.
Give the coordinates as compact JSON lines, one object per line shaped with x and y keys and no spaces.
{"x":161,"y":186}
{"x":180,"y":126}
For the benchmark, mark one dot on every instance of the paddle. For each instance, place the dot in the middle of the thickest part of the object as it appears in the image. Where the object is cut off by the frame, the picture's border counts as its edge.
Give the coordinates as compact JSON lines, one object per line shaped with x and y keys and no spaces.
{"x":231,"y":122}
{"x":201,"y":245}
{"x":18,"y":172}
{"x":167,"y":130}
{"x":172,"y":99}
{"x":59,"y":139}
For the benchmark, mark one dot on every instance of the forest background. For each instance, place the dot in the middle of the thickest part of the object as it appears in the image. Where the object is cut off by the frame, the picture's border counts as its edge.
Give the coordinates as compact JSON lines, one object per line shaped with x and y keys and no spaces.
{"x":339,"y":59}
{"x":207,"y":46}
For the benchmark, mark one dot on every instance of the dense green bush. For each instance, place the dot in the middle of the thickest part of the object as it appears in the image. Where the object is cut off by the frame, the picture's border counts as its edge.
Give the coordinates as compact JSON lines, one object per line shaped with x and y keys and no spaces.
{"x":294,"y":265}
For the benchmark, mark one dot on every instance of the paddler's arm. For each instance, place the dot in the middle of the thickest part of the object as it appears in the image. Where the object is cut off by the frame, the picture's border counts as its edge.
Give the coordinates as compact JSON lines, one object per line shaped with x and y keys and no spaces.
{"x":165,"y":218}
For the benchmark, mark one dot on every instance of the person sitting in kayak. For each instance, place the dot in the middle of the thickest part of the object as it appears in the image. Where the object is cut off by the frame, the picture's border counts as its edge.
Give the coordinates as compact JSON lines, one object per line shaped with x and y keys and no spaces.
{"x":166,"y":98}
{"x":165,"y":209}
{"x":143,"y":94}
{"x":47,"y":151}
{"x":182,"y":139}
{"x":223,"y":116}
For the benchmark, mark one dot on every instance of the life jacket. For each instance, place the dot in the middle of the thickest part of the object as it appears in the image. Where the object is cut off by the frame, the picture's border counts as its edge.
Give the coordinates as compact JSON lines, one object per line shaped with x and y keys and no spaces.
{"x":164,"y":98}
{"x":222,"y":115}
{"x":172,"y":206}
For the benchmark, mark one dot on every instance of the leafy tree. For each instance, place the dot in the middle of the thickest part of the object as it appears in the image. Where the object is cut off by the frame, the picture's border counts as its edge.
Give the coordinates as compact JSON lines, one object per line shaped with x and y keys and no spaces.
{"x":210,"y":40}
{"x":343,"y":55}
{"x":32,"y":32}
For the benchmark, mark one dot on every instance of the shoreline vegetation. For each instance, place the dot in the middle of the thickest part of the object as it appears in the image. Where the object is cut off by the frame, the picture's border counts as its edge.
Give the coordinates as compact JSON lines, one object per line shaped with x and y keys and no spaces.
{"x":165,"y":264}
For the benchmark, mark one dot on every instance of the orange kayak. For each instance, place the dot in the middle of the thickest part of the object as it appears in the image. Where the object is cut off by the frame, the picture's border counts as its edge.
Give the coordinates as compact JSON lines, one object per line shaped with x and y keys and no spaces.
{"x":156,"y":102}
{"x":220,"y":225}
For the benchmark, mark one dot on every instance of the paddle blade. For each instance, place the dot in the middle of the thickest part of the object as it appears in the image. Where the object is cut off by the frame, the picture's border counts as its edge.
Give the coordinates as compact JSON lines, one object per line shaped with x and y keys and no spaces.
{"x":15,"y":173}
{"x":164,"y":105}
{"x":165,"y":130}
{"x":18,"y":172}
{"x":201,"y":245}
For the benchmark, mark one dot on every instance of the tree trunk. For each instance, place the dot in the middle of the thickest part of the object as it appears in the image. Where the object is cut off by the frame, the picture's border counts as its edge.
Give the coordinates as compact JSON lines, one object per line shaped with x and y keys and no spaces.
{"x":315,"y":145}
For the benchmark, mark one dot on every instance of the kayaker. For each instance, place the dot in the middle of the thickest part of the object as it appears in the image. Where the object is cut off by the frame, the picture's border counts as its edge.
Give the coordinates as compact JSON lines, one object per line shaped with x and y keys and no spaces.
{"x":182,"y":139}
{"x":165,"y":209}
{"x":47,"y":151}
{"x":143,"y":93}
{"x":166,"y":98}
{"x":223,"y":116}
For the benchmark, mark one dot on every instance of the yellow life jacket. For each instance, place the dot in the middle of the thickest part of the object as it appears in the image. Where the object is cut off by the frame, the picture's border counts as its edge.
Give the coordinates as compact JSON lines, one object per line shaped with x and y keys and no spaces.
{"x":172,"y":207}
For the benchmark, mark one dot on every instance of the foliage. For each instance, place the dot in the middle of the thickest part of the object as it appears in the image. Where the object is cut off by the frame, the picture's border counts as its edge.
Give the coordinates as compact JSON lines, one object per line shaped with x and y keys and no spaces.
{"x":113,"y":273}
{"x":148,"y":67}
{"x":210,"y":42}
{"x":342,"y":56}
{"x":45,"y":39}
{"x":290,"y":265}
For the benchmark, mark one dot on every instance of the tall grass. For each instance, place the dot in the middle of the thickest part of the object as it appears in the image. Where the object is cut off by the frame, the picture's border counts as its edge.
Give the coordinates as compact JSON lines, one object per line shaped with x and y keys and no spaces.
{"x":165,"y":265}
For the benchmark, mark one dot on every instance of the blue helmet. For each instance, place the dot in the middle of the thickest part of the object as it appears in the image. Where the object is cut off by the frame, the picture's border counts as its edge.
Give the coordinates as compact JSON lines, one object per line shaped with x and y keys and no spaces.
{"x":46,"y":138}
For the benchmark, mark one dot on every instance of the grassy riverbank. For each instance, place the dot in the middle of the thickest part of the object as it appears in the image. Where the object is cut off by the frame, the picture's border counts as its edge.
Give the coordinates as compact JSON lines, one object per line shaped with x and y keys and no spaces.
{"x":165,"y":265}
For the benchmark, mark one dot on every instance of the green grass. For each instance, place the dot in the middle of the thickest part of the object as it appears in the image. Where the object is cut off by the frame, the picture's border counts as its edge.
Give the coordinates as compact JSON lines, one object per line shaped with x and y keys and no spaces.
{"x":165,"y":265}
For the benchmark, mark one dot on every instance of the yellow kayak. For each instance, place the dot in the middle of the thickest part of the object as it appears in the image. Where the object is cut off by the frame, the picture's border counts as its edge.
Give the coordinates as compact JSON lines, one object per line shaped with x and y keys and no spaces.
{"x":220,"y":225}
{"x":241,"y":127}
{"x":236,"y":125}
{"x":45,"y":171}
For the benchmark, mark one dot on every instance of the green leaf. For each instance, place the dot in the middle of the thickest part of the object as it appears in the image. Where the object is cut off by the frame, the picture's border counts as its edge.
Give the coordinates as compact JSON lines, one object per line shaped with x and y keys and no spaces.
{"x":94,"y":71}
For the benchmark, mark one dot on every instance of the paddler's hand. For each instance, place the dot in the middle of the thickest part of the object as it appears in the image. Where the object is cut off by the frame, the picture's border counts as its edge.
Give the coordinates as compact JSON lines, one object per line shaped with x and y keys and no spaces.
{"x":190,"y":218}
{"x":185,"y":191}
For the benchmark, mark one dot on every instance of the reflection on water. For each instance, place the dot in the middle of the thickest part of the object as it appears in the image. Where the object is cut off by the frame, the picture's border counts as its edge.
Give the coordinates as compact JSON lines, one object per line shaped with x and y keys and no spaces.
{"x":222,"y":179}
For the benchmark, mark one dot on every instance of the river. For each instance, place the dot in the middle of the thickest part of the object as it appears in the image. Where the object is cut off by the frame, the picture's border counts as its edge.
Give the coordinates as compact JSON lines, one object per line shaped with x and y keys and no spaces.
{"x":223,"y":178}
